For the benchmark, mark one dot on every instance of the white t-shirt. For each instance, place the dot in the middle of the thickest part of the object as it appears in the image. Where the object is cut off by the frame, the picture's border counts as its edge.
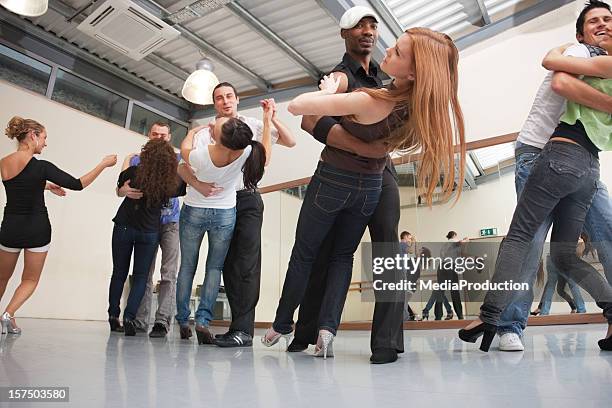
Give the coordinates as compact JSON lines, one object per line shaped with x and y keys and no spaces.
{"x":228,"y":177}
{"x":203,"y":138}
{"x":547,"y":107}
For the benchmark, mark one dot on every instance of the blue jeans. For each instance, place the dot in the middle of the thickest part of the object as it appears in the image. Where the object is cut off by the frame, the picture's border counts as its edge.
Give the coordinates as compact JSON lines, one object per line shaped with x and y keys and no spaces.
{"x":598,"y":225}
{"x":440,"y":296}
{"x":193,"y":224}
{"x":514,"y":317}
{"x":576,"y":302}
{"x":338,"y":198}
{"x":144,"y":245}
{"x":562,"y":183}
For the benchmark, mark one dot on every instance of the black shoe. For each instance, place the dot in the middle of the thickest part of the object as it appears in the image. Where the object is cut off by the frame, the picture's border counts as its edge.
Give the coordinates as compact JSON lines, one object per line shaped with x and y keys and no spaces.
{"x":296,"y":346}
{"x":115,"y":325}
{"x":186,"y":332}
{"x":605,"y":344}
{"x":449,"y":316}
{"x":218,"y":336}
{"x":129,"y":327}
{"x":483,"y":329}
{"x":204,"y":335}
{"x":234,"y":339}
{"x":383,"y":356}
{"x":159,"y":330}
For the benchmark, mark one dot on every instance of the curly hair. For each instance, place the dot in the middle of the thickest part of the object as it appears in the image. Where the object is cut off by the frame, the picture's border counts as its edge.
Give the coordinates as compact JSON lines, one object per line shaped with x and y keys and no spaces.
{"x":156,"y":175}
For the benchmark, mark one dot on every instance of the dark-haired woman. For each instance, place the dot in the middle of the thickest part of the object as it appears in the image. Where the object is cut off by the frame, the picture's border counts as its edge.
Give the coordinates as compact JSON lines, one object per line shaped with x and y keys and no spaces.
{"x":26,"y":223}
{"x":137,"y":225}
{"x":234,"y":156}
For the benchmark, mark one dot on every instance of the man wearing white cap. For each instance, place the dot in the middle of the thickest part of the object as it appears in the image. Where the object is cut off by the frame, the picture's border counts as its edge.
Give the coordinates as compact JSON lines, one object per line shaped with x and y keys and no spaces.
{"x":359,"y":29}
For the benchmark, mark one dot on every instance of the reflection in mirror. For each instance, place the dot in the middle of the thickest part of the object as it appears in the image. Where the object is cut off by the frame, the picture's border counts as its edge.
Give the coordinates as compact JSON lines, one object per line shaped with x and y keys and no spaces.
{"x":482,"y":213}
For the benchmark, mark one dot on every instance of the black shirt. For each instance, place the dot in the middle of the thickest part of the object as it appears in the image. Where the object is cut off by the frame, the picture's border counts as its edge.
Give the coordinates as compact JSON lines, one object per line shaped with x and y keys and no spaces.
{"x":578,"y":134}
{"x":356,"y":75}
{"x":25,"y":223}
{"x":357,"y":78}
{"x":136,"y":213}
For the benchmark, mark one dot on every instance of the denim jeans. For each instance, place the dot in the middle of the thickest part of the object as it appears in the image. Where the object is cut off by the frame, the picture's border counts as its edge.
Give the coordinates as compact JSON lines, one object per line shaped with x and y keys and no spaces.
{"x":334,"y":196}
{"x":562,"y":182}
{"x":514,"y":317}
{"x":598,"y":225}
{"x":576,"y":302}
{"x":194,"y":222}
{"x":438,"y":296}
{"x":144,"y":245}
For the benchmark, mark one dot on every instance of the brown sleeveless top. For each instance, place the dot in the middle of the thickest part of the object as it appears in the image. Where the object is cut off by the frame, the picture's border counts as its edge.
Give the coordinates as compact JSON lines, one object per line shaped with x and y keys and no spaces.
{"x":368,"y":133}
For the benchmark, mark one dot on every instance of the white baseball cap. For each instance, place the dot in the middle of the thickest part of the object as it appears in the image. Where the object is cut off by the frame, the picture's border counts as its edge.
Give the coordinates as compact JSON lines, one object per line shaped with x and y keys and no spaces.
{"x":352,"y":16}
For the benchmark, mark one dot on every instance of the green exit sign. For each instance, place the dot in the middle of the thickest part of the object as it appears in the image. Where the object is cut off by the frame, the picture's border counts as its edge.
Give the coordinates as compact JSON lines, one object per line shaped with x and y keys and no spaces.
{"x":488,"y":232}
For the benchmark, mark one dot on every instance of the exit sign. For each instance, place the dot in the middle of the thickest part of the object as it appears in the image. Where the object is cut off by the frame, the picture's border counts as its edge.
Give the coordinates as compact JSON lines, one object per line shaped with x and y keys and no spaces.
{"x":488,"y":232}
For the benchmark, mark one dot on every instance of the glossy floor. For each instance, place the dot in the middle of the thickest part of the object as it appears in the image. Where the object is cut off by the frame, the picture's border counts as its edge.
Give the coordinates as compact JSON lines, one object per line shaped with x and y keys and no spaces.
{"x":561,"y":367}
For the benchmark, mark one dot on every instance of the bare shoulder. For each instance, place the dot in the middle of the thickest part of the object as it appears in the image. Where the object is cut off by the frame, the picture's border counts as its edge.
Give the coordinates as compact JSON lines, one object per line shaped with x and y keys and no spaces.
{"x":373,"y":109}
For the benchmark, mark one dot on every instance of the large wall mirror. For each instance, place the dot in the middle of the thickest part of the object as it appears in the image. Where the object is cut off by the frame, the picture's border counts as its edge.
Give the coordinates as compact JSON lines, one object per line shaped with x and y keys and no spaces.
{"x":485,"y":207}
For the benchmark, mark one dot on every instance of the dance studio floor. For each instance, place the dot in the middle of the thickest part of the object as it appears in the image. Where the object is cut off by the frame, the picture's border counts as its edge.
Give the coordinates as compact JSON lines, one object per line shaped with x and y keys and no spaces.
{"x":562,"y":367}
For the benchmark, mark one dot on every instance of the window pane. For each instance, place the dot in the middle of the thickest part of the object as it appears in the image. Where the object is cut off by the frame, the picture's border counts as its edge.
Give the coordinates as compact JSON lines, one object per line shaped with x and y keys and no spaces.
{"x":89,"y":98}
{"x":142,"y":119}
{"x":23,"y":70}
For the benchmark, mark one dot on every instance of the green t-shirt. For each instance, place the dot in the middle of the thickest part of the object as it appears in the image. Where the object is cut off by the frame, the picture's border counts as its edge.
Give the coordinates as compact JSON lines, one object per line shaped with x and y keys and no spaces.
{"x":598,"y":125}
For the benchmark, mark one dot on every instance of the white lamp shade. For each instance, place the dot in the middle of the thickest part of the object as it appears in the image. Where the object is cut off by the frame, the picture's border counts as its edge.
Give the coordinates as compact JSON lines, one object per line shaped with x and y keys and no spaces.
{"x":28,"y":8}
{"x":199,"y":86}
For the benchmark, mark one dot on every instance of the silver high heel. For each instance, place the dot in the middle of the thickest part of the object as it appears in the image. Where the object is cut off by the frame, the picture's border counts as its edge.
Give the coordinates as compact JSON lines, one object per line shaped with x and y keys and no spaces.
{"x":275,"y":339}
{"x":7,"y":324}
{"x":326,"y":348}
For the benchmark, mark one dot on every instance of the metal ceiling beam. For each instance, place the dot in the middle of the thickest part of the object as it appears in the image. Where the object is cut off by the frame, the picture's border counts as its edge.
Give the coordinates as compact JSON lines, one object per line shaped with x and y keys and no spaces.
{"x":206,"y":47}
{"x":486,"y":18}
{"x":542,"y":7}
{"x":271,"y":36}
{"x":84,"y":55}
{"x":75,"y":17}
{"x":388,"y":17}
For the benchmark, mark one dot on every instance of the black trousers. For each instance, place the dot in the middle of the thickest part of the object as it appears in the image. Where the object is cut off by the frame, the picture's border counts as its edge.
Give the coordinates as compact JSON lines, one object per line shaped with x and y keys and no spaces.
{"x":387,"y":322}
{"x":242,"y":269}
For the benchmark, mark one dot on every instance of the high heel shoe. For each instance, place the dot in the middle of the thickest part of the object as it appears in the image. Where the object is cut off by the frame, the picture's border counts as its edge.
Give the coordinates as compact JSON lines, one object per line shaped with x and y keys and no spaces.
{"x":483,"y":329}
{"x":425,"y":315}
{"x":7,"y":324}
{"x":268,"y":340}
{"x":326,"y":340}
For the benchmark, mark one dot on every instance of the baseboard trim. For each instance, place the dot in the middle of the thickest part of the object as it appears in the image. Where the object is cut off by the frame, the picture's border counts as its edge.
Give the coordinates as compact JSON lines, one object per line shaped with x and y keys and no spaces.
{"x":551,"y":320}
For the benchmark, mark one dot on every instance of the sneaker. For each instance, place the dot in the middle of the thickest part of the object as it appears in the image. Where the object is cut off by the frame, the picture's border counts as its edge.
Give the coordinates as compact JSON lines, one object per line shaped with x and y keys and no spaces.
{"x":234,"y":339}
{"x":227,"y":333}
{"x":510,"y":342}
{"x":158,"y":331}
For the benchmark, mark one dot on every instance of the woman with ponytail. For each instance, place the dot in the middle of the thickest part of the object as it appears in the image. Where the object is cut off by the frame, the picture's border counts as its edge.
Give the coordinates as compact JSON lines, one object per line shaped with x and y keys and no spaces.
{"x":234,"y":157}
{"x":420,"y":110}
{"x":26,"y":223}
